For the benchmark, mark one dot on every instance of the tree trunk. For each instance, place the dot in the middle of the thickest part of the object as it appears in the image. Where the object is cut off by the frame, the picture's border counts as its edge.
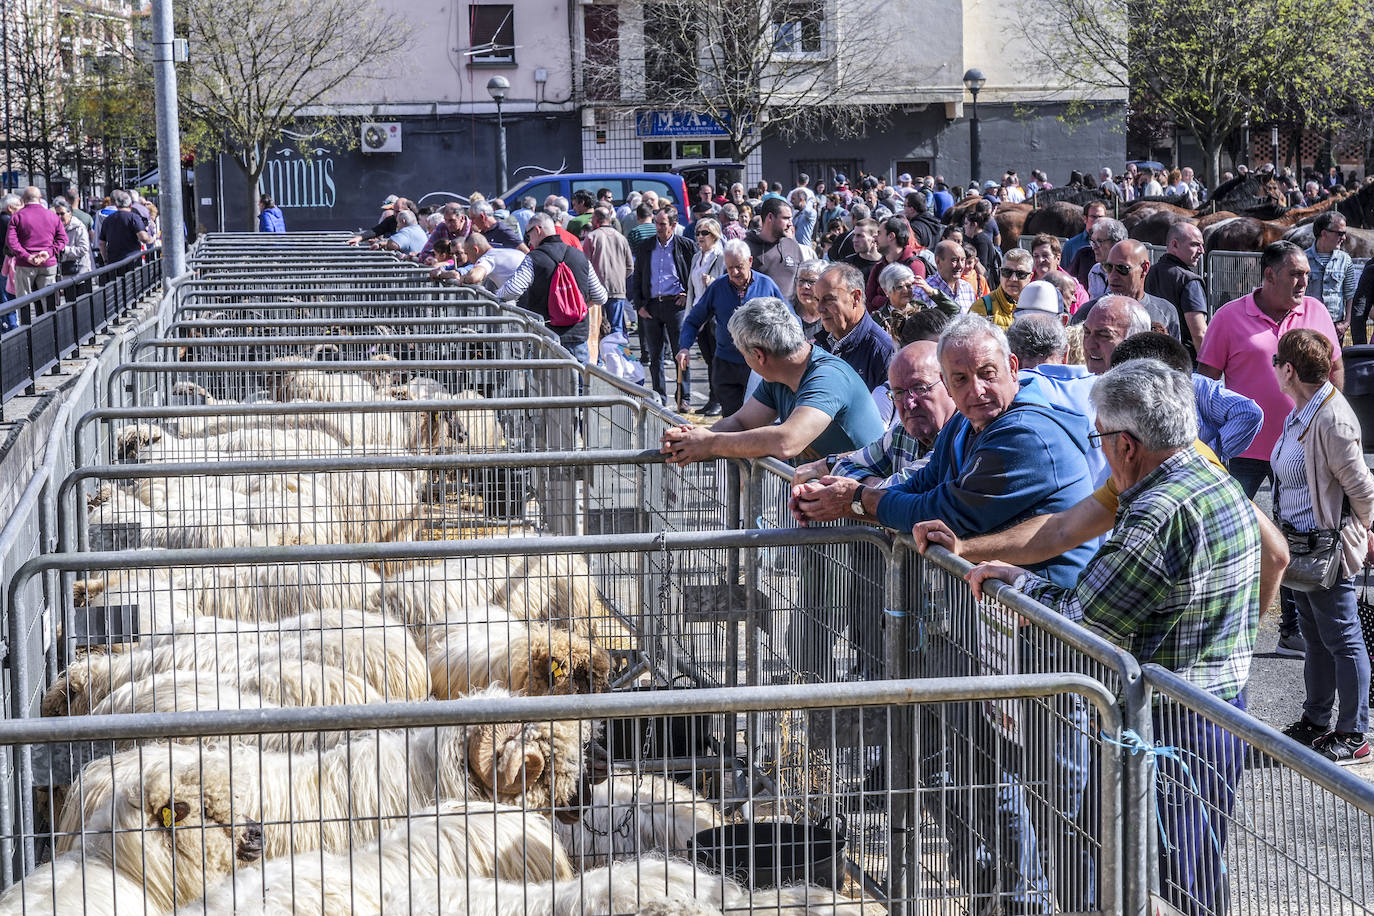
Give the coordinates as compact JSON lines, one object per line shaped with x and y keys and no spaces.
{"x":251,"y":172}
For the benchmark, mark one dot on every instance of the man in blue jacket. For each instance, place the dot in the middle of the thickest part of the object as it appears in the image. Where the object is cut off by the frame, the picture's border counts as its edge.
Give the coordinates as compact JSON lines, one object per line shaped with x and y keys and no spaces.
{"x":740,"y":284}
{"x":1009,"y":455}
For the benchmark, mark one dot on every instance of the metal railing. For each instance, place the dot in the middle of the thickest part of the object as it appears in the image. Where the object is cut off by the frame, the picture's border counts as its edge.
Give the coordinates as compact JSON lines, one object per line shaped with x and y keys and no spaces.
{"x":1021,"y":772}
{"x":56,"y":319}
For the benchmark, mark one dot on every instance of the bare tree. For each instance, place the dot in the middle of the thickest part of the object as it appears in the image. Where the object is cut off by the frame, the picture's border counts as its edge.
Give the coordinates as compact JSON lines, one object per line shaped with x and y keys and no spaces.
{"x":34,"y":121}
{"x":758,"y":68}
{"x":259,"y":66}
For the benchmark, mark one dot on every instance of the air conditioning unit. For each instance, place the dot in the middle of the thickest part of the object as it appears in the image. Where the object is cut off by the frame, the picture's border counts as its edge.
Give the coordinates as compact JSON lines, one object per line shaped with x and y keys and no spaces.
{"x":380,"y":137}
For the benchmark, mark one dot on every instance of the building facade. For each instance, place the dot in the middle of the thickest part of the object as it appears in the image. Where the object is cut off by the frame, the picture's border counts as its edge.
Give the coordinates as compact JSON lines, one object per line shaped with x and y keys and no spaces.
{"x":607,"y":85}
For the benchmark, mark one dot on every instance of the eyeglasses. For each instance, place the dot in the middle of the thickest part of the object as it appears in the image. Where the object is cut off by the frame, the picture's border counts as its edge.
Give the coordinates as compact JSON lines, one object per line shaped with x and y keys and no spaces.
{"x":1009,"y":272}
{"x":808,"y":281}
{"x":1095,"y":439}
{"x":1123,"y":269}
{"x":899,"y":395}
{"x":1339,"y":233}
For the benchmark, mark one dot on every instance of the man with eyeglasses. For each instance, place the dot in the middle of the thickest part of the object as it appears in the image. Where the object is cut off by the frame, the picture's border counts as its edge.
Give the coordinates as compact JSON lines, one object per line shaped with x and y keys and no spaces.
{"x":999,"y":306}
{"x":1127,"y":264}
{"x":1008,"y":455}
{"x":1105,"y":233}
{"x":922,"y":405}
{"x":1333,"y":277}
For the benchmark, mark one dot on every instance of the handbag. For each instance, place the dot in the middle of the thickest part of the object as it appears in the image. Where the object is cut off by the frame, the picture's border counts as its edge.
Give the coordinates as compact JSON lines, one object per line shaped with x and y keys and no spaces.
{"x":1314,"y":558}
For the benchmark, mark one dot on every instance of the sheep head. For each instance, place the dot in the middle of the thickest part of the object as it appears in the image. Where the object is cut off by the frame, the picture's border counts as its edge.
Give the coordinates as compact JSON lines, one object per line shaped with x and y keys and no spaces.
{"x":132,"y":439}
{"x":538,"y":763}
{"x":193,"y":827}
{"x":561,"y":663}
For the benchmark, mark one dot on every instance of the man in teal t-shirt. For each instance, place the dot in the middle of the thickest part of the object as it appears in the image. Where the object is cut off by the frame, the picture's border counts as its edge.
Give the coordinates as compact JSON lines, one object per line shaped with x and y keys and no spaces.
{"x":819,"y":403}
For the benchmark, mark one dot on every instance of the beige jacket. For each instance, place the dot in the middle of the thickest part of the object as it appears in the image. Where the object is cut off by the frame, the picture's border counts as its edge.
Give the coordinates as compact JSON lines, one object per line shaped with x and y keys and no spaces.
{"x":1333,"y":457}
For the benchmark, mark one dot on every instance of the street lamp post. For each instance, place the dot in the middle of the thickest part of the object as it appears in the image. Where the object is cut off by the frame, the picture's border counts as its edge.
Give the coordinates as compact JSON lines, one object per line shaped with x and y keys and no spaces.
{"x":973,"y":82}
{"x":497,"y":87}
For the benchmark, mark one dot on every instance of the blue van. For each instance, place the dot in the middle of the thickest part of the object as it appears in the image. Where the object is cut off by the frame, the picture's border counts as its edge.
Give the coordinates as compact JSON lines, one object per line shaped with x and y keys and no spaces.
{"x":665,"y":184}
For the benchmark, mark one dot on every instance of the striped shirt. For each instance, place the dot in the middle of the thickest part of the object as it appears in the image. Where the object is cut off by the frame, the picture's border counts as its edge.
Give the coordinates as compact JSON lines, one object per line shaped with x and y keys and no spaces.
{"x":1177,"y":582}
{"x":892,"y":456}
{"x":1290,"y":465}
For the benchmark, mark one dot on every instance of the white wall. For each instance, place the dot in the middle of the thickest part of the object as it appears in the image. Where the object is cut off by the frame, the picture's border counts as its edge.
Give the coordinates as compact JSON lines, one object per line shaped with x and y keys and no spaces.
{"x":434,"y":74}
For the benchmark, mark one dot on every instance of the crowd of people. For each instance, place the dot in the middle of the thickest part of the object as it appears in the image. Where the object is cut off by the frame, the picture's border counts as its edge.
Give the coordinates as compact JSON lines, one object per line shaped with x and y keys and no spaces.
{"x":45,"y":242}
{"x":1067,"y":417}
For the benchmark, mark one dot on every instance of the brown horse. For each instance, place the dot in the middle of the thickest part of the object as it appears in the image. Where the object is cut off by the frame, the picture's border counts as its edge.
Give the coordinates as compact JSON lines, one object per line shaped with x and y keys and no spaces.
{"x":1062,"y":219}
{"x":1242,"y":233}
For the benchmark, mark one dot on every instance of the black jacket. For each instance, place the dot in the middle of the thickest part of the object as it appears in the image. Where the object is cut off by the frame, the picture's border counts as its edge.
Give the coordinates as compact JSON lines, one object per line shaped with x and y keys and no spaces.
{"x":927,"y":229}
{"x":545,"y":260}
{"x":640,"y":280}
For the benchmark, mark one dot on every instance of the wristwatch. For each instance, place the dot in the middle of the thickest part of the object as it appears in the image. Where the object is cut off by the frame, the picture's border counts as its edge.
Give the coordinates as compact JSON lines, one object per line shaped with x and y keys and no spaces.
{"x":1019,"y":581}
{"x":857,"y":506}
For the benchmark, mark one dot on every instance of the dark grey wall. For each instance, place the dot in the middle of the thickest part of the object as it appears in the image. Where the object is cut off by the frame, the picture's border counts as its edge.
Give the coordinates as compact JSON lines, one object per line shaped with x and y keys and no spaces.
{"x":329,"y":189}
{"x":1020,"y":137}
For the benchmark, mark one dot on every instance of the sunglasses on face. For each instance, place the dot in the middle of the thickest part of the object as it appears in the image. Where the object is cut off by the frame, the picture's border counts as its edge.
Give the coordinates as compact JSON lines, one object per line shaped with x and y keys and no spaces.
{"x":1009,"y":272}
{"x":1123,"y":269}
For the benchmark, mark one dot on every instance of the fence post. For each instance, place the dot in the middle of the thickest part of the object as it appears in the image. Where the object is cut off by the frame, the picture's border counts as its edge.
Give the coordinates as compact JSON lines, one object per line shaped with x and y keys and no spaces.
{"x":905,"y":829}
{"x":1139,"y":869}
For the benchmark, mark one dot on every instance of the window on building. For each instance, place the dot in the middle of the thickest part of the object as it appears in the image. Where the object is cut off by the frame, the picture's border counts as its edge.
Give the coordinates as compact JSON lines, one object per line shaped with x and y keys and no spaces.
{"x":669,"y":47}
{"x":491,"y":31}
{"x":798,"y":26}
{"x":602,"y":27}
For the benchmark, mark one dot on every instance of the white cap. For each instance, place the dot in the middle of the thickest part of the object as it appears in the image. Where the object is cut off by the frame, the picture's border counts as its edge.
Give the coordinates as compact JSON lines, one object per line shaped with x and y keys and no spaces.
{"x":1040,"y":296}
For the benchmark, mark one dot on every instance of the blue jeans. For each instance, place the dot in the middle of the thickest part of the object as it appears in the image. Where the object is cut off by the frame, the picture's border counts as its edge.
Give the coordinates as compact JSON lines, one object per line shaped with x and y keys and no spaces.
{"x":1337,"y":662}
{"x":617,"y":312}
{"x":1013,"y":814}
{"x":1250,"y":473}
{"x":1195,"y":821}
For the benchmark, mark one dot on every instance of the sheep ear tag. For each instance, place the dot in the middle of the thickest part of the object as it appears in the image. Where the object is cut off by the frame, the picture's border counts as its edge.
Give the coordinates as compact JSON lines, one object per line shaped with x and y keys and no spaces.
{"x":174,"y":814}
{"x":558,"y":669}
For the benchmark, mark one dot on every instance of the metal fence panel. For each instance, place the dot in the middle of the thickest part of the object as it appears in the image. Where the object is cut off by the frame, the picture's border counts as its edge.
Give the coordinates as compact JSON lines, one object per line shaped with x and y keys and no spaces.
{"x":759,"y":786}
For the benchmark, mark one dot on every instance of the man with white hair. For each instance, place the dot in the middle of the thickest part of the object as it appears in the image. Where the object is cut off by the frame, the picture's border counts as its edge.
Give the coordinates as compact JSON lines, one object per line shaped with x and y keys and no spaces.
{"x":1104,"y":181}
{"x":34,"y":238}
{"x":992,"y":466}
{"x":497,"y":234}
{"x":1176,"y":584}
{"x":409,"y":238}
{"x":532,"y":284}
{"x":740,"y":284}
{"x":1113,"y":319}
{"x":809,"y":402}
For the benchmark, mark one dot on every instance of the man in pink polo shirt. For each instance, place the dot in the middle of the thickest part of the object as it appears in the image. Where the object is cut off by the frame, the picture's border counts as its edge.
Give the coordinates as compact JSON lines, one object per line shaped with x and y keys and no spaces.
{"x":1241,"y":342}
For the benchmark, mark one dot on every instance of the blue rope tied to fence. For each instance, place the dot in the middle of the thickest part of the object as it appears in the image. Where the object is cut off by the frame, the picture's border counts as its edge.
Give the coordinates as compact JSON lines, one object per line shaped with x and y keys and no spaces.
{"x":1133,"y":743}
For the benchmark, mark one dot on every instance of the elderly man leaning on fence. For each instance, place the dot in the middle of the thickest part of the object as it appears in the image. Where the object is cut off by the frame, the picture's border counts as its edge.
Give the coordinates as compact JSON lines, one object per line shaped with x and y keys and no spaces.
{"x":1010,"y":454}
{"x":923,"y":407}
{"x":821,"y":404}
{"x":1175,"y":584}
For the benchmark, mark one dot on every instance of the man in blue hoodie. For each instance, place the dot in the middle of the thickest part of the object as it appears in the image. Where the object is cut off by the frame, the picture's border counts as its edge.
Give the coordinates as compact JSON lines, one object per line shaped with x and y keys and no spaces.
{"x":1010,"y":454}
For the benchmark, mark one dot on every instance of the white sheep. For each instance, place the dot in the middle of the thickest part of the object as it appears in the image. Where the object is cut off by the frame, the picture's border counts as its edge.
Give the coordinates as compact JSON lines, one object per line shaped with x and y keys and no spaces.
{"x":194,"y":691}
{"x":556,"y":588}
{"x":530,"y":659}
{"x":268,"y":591}
{"x":71,"y":884}
{"x":184,"y":821}
{"x":341,"y":797}
{"x":632,"y":814}
{"x":381,"y":653}
{"x":453,"y":842}
{"x":624,"y":887}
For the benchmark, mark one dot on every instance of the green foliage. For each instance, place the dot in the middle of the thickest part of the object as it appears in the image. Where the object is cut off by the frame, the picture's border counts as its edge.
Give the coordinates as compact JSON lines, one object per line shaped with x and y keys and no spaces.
{"x":1209,"y":66}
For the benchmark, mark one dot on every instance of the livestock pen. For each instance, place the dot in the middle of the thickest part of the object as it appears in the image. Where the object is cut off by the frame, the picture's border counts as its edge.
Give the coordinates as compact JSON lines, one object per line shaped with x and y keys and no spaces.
{"x":338,"y":598}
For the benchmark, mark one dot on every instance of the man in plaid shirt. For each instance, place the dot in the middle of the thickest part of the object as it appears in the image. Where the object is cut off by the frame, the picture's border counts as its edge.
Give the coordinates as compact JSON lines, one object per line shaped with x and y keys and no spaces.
{"x":1176,"y":584}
